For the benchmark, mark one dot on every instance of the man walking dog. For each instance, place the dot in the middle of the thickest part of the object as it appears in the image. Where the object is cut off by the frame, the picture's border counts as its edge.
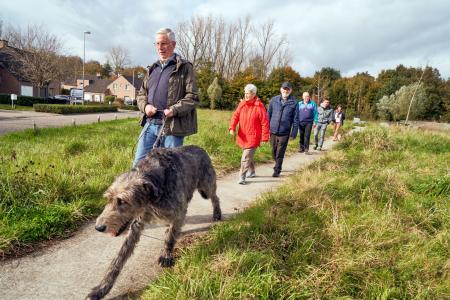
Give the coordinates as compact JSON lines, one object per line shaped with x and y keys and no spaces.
{"x":168,"y":98}
{"x":281,"y":113}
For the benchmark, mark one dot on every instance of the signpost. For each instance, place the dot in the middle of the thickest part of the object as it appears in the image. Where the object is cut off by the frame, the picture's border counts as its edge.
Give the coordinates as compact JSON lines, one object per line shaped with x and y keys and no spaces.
{"x":13,"y":98}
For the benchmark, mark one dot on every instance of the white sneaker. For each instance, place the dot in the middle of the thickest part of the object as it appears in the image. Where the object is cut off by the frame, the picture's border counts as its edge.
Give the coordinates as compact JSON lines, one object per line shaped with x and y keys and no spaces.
{"x":242,"y":180}
{"x":251,"y":175}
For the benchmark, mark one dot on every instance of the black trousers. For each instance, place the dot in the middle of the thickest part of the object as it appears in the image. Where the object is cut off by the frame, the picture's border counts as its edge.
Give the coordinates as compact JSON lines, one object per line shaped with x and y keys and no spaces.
{"x":279,"y":145}
{"x":305,"y":135}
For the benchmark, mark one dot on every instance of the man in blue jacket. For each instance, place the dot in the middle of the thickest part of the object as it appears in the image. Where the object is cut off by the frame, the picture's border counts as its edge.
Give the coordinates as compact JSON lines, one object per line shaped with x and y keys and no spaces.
{"x":306,"y":116}
{"x":281,"y":113}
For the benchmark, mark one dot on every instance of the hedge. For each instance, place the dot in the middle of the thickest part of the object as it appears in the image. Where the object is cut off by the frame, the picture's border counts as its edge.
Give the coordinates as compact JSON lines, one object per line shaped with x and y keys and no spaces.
{"x":26,"y":100}
{"x":72,"y":109}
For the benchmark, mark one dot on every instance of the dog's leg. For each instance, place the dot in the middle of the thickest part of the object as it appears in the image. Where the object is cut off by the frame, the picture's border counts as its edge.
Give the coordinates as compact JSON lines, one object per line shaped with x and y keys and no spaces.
{"x":116,"y":266}
{"x":166,"y":259}
{"x":217,"y":212}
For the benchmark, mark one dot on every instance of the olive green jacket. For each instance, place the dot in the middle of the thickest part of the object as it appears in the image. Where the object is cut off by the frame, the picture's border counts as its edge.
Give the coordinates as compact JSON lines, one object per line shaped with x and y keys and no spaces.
{"x":182,"y":99}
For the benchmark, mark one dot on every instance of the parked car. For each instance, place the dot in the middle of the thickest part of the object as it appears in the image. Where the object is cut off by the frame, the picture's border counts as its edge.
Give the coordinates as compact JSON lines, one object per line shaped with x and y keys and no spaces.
{"x":129,"y":101}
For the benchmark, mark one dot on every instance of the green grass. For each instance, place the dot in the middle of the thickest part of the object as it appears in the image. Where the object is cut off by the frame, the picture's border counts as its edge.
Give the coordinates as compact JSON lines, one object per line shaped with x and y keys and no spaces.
{"x":51,"y":180}
{"x":16,"y":107}
{"x":368,"y":221}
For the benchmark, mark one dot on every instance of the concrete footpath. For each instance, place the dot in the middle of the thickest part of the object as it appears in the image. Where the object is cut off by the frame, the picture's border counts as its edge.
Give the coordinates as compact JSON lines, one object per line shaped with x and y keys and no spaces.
{"x":16,"y":120}
{"x":69,"y":269}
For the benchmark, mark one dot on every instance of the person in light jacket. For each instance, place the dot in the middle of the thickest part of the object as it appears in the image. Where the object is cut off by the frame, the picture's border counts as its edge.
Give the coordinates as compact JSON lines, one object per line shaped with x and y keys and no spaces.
{"x":325,"y":115}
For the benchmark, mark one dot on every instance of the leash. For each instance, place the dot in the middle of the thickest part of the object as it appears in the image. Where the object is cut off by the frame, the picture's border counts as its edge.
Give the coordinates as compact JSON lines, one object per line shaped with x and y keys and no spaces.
{"x":156,"y":144}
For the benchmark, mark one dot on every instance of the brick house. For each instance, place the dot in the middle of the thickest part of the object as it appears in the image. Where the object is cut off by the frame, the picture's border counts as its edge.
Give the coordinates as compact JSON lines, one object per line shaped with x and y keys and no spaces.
{"x":125,"y":87}
{"x":12,"y":82}
{"x":97,"y":90}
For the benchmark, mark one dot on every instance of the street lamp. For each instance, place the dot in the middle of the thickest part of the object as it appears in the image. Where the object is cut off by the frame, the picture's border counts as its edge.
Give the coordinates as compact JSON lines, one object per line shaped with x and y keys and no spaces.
{"x":84,"y":58}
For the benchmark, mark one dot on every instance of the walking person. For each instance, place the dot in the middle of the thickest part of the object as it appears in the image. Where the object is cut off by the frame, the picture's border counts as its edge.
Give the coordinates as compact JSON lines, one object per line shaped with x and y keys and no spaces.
{"x":253,"y":128}
{"x":306,"y":118}
{"x":325,"y":115}
{"x":168,"y":98}
{"x":339,"y":117}
{"x":281,"y":114}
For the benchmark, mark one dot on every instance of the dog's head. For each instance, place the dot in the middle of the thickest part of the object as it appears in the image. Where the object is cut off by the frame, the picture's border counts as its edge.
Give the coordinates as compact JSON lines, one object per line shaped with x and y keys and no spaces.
{"x":126,"y":197}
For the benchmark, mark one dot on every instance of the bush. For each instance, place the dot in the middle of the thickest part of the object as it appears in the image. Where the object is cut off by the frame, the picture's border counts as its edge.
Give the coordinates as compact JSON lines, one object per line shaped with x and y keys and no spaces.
{"x":26,"y":100}
{"x":118,"y":102}
{"x":109,"y":99}
{"x":73,"y":109}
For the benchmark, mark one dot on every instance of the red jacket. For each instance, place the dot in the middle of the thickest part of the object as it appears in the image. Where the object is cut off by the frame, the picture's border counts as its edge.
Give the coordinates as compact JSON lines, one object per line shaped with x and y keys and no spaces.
{"x":253,"y":123}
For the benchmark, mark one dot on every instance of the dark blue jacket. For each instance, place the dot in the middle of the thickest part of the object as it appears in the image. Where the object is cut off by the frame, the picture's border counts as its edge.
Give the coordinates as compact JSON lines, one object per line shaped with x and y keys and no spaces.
{"x":281,"y":115}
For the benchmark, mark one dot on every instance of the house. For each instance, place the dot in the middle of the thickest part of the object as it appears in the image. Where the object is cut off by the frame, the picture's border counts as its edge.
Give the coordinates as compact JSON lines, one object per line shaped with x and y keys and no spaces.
{"x":125,"y":87}
{"x":11,"y":80}
{"x":97,"y":90}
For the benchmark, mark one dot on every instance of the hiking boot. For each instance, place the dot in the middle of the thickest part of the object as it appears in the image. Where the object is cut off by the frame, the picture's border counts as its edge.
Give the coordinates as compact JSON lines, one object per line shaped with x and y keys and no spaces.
{"x":301,"y":150}
{"x":251,"y":175}
{"x":315,"y":147}
{"x":242,"y":180}
{"x":319,"y":148}
{"x":276,"y":174}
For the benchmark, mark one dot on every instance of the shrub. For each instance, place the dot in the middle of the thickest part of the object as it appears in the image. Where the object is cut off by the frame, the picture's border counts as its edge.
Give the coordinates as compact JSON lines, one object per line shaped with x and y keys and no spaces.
{"x":118,"y":102}
{"x":73,"y":109}
{"x":109,"y":99}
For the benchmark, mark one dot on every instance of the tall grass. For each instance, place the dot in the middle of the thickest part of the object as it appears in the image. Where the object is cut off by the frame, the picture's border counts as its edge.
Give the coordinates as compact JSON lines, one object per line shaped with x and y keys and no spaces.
{"x":369,"y":221}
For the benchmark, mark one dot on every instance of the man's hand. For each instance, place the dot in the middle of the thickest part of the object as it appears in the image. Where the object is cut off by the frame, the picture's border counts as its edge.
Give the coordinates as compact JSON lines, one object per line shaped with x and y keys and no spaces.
{"x":150,"y":110}
{"x":231,"y":132}
{"x":168,"y":113}
{"x":314,"y":125}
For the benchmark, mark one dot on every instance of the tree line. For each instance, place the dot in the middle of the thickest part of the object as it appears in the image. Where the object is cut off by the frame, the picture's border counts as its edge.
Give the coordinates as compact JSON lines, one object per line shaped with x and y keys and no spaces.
{"x":229,"y":54}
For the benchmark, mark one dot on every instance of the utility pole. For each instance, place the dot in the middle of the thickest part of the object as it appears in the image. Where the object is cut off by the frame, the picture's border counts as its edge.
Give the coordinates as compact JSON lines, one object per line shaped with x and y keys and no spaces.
{"x":84,"y":58}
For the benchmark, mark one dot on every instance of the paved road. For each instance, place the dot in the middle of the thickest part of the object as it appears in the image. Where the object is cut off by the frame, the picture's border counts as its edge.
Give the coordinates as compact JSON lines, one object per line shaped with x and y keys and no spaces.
{"x":19,"y":120}
{"x":69,"y":269}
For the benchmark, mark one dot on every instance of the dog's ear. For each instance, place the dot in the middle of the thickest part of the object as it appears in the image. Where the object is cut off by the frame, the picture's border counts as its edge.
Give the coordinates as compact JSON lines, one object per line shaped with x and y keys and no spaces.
{"x":151,"y":190}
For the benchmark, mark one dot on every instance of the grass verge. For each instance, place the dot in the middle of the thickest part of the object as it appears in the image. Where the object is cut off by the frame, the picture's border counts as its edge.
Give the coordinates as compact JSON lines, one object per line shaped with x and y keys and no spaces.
{"x":369,"y":221}
{"x":16,"y":107}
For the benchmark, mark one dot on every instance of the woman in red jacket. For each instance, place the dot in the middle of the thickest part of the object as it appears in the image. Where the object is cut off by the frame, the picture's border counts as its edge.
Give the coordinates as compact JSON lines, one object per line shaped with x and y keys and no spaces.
{"x":253,"y":128}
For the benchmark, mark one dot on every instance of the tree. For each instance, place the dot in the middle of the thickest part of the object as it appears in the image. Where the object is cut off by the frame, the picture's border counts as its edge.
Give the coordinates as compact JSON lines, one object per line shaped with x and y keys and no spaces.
{"x":106,"y":70}
{"x":280,"y":75}
{"x":70,"y":67}
{"x":214,"y":93}
{"x":120,"y":58}
{"x":36,"y":55}
{"x":92,"y":67}
{"x":395,"y":107}
{"x":324,"y":79}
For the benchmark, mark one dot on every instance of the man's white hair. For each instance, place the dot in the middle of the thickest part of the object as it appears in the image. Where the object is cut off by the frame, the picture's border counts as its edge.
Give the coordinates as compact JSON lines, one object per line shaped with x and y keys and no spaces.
{"x":250,"y":88}
{"x":167,"y":31}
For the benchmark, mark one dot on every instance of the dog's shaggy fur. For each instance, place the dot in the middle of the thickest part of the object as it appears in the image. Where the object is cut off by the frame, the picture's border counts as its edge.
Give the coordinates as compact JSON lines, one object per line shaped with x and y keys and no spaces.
{"x":158,"y":189}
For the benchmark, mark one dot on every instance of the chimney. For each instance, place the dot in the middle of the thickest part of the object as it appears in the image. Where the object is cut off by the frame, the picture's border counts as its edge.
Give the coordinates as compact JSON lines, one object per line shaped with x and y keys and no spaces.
{"x":3,"y":44}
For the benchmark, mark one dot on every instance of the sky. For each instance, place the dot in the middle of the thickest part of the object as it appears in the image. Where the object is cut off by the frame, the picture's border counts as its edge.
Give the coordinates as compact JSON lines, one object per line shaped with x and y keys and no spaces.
{"x":349,"y":35}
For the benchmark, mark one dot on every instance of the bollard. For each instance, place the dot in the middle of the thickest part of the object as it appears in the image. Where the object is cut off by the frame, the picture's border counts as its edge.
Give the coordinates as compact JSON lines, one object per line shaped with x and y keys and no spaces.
{"x":34,"y":125}
{"x":115,"y":116}
{"x":73,"y":122}
{"x":98,"y":119}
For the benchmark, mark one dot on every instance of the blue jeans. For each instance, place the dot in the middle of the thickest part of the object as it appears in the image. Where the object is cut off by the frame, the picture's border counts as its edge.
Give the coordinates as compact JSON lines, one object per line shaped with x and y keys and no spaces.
{"x":148,"y":137}
{"x":320,"y":128}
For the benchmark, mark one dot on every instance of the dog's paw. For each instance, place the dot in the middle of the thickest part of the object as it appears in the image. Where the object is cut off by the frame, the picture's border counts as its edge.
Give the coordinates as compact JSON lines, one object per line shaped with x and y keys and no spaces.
{"x":217,"y":216}
{"x":93,"y":296}
{"x":166,"y":262}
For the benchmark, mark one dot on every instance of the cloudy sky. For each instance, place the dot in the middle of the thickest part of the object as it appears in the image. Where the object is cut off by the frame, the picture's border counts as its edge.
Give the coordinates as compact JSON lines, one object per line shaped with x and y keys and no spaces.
{"x":349,"y":35}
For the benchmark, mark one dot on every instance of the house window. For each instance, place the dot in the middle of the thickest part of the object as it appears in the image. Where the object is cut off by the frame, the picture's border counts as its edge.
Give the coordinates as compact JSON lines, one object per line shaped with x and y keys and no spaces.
{"x":126,"y":87}
{"x":115,"y":86}
{"x":26,"y":90}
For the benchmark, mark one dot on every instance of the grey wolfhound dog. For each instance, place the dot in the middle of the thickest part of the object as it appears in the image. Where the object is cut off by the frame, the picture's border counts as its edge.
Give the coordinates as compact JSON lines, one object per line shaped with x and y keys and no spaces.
{"x":158,"y":189}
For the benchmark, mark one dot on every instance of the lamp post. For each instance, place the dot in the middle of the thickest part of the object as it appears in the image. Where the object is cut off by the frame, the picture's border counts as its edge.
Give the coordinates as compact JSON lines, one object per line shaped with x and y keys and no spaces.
{"x":84,"y":58}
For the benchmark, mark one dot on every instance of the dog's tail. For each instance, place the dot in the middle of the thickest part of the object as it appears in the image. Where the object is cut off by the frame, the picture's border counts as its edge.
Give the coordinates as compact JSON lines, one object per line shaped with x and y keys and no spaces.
{"x":125,"y":252}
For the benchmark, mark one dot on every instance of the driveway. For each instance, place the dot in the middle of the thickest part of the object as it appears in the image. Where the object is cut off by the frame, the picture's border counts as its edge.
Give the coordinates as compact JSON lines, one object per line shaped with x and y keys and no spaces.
{"x":11,"y":120}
